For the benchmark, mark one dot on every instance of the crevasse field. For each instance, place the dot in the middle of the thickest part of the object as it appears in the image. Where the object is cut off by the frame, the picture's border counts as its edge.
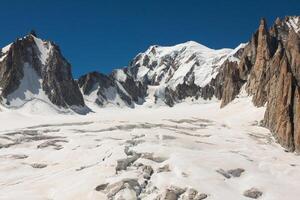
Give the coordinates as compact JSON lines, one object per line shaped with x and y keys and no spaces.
{"x":141,"y":153}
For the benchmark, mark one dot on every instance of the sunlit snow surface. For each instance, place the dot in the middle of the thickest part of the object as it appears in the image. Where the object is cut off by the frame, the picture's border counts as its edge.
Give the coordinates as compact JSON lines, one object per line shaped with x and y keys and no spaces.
{"x":4,"y":51}
{"x":30,"y":87}
{"x":294,"y":23}
{"x":44,"y":49}
{"x":190,"y":56}
{"x":194,"y":140}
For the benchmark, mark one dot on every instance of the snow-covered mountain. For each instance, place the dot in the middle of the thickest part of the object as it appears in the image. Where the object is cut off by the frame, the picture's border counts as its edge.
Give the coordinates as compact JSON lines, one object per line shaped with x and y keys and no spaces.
{"x":31,"y":70}
{"x":169,"y":75}
{"x":177,"y":64}
{"x":192,"y":151}
{"x":267,"y":67}
{"x":34,"y":72}
{"x":181,"y":71}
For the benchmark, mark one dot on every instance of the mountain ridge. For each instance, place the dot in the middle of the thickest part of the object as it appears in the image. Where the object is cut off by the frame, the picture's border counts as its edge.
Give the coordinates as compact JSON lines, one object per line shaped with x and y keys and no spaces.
{"x":35,"y":69}
{"x":267,"y":67}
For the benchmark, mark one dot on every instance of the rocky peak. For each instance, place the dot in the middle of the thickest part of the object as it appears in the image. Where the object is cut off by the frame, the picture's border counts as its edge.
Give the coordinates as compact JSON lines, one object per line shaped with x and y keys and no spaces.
{"x":263,"y":25}
{"x":35,"y":69}
{"x":33,"y":33}
{"x":118,"y":89}
{"x":263,"y":48}
{"x":270,"y":67}
{"x":180,"y":71}
{"x":91,"y":81}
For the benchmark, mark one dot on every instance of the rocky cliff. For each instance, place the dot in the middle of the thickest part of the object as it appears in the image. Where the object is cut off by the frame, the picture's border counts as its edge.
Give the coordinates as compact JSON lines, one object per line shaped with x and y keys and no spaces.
{"x":270,"y":71}
{"x":31,"y":68}
{"x":118,"y":89}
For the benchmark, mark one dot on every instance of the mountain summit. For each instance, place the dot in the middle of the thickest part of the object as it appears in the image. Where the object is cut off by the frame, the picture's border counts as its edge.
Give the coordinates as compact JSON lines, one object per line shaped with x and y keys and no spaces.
{"x":170,"y":74}
{"x":33,"y":69}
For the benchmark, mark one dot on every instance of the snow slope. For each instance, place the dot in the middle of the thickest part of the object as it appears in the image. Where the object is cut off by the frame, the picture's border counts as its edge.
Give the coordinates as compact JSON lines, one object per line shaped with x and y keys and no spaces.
{"x":67,"y":156}
{"x":44,"y":49}
{"x":171,"y":69}
{"x":165,"y":72}
{"x":3,"y":52}
{"x":170,"y":65}
{"x":37,"y":76}
{"x":30,"y":97}
{"x":30,"y":88}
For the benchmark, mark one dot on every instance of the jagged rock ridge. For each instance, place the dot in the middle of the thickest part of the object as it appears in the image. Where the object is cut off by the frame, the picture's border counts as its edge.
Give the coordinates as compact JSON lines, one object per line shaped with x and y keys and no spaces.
{"x":267,"y":67}
{"x":270,"y":70}
{"x":115,"y":89}
{"x":167,"y":75}
{"x":31,"y":68}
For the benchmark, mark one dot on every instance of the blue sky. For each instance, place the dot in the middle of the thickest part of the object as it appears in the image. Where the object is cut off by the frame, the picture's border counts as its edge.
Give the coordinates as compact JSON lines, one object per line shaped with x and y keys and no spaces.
{"x":103,"y":35}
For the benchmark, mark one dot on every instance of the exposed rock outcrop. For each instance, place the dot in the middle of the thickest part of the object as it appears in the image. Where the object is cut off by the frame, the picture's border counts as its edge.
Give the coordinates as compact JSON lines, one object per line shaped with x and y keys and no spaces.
{"x":168,"y":75}
{"x":231,"y":173}
{"x":270,"y":67}
{"x":37,"y":67}
{"x":253,"y":193}
{"x":267,"y":67}
{"x":117,"y":88}
{"x":182,"y":71}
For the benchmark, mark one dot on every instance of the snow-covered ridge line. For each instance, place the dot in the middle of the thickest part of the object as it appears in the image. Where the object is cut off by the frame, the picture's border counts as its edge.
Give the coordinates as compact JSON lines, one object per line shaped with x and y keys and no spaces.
{"x":193,"y":45}
{"x":4,"y":51}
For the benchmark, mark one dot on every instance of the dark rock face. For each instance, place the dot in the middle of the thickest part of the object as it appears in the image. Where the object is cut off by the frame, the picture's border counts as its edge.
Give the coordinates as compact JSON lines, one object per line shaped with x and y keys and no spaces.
{"x":270,"y":66}
{"x":253,"y":193}
{"x":134,"y":88}
{"x":58,"y":82}
{"x":228,"y":83}
{"x":11,"y":71}
{"x":111,"y":87}
{"x":91,"y":81}
{"x":50,"y":66}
